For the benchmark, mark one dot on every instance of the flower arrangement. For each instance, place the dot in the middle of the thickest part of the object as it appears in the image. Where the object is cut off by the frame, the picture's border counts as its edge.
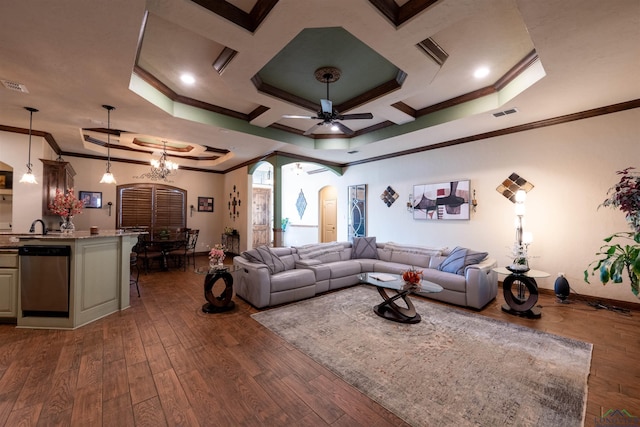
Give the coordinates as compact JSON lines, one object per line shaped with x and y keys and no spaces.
{"x":618,"y":258}
{"x":66,"y":205}
{"x":229,"y":231}
{"x":412,"y":276}
{"x":217,"y":253}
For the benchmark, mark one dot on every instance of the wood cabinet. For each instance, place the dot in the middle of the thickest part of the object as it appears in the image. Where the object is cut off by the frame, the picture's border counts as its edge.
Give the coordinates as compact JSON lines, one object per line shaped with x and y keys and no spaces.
{"x":55,"y":175}
{"x":8,"y":284}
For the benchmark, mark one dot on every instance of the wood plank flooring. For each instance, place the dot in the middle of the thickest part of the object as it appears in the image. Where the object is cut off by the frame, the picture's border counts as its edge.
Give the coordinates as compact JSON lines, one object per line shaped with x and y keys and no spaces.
{"x":164,"y":362}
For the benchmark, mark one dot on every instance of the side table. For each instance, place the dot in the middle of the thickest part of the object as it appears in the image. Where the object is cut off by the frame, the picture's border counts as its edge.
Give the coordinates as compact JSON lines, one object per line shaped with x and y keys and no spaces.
{"x":231,"y":242}
{"x":222,"y":302}
{"x":520,"y":292}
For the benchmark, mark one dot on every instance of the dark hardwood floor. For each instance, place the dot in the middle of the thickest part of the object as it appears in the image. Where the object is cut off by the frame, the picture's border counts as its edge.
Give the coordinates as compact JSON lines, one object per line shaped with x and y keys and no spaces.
{"x":164,"y":362}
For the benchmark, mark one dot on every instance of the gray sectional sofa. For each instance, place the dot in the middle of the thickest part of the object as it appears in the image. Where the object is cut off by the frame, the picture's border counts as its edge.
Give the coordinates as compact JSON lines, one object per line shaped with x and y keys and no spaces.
{"x":273,"y":276}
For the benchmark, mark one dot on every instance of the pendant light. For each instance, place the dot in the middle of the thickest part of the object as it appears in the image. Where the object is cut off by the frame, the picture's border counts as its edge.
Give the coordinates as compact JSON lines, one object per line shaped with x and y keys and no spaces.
{"x":29,"y":177}
{"x":108,"y":177}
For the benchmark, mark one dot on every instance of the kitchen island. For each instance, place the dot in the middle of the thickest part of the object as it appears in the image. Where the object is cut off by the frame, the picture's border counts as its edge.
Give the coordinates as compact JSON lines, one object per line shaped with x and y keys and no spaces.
{"x":98,"y":276}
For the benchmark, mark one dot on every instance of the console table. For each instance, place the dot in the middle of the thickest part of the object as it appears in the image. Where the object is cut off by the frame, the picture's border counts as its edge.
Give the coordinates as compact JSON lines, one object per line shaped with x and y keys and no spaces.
{"x":520,"y":292}
{"x":231,"y":243}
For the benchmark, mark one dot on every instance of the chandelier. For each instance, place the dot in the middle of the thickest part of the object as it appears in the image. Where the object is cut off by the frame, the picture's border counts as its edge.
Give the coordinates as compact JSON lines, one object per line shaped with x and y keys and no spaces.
{"x":161,"y":168}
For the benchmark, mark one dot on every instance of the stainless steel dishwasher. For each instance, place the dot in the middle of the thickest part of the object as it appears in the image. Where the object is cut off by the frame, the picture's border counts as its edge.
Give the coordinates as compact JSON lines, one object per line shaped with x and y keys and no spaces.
{"x":44,"y":280}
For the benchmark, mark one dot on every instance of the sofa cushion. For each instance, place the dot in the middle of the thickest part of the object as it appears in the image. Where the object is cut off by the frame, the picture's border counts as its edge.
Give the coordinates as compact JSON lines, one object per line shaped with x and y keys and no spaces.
{"x":264,"y":255}
{"x":413,"y":249}
{"x":364,"y":248}
{"x":326,"y":252}
{"x":459,"y":258}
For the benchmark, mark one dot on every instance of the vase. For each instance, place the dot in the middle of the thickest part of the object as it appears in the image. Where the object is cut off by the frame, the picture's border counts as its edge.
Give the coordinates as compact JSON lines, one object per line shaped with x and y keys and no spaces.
{"x":216,"y":263}
{"x":67,"y":226}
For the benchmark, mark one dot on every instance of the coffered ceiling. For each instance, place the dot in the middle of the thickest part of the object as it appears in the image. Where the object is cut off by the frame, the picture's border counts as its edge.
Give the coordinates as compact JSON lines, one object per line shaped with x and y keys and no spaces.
{"x":409,"y":63}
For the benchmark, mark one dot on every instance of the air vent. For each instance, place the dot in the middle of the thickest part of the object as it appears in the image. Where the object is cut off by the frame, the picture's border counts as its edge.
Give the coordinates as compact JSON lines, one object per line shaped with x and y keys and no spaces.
{"x":505,"y":112}
{"x":19,"y":87}
{"x":433,"y":51}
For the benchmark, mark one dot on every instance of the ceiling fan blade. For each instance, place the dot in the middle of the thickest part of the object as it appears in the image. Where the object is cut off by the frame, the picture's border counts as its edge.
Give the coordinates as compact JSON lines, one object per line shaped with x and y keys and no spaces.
{"x":355,"y":116}
{"x":327,"y":106}
{"x":311,"y":129}
{"x":294,"y":116}
{"x":344,"y":129}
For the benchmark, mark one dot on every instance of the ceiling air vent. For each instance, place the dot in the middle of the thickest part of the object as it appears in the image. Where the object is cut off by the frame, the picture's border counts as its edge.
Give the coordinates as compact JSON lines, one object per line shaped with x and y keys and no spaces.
{"x":19,"y":87}
{"x":505,"y":112}
{"x":433,"y":51}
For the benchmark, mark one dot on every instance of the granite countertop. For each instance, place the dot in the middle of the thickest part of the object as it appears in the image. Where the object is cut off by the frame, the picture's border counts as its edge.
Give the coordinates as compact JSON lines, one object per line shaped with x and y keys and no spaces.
{"x":13,"y":240}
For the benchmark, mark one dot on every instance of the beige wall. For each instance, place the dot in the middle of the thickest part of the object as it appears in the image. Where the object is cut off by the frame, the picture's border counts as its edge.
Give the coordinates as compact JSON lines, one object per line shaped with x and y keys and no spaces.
{"x":572,"y":165}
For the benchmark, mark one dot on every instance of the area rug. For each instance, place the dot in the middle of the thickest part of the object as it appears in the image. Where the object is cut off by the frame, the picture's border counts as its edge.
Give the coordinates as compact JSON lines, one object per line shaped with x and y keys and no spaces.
{"x":454,"y":368}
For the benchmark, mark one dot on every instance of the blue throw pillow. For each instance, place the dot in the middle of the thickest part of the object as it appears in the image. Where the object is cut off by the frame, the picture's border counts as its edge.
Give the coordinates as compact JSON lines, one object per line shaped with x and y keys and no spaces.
{"x":459,"y":259}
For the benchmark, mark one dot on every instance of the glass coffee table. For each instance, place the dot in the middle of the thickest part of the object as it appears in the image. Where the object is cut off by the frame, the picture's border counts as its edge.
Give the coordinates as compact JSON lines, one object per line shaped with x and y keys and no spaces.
{"x":389,"y":309}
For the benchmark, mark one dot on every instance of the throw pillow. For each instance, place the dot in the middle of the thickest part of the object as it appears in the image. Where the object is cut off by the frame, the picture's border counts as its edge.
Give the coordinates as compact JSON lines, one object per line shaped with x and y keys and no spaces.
{"x":364,"y":248}
{"x":459,"y":259}
{"x":264,"y":255}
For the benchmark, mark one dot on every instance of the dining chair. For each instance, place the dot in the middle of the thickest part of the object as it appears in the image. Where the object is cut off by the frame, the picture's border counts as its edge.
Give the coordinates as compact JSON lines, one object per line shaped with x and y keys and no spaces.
{"x":149,"y":252}
{"x":188,"y":250}
{"x":133,"y":263}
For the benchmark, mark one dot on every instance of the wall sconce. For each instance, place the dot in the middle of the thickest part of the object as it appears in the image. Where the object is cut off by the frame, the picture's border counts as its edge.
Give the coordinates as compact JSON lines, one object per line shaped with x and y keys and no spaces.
{"x":192,"y":208}
{"x":109,"y":207}
{"x":474,"y":202}
{"x":410,"y":203}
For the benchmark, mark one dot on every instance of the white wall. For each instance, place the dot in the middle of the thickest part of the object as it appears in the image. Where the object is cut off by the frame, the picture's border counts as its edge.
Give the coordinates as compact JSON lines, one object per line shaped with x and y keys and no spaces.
{"x":572,"y":166}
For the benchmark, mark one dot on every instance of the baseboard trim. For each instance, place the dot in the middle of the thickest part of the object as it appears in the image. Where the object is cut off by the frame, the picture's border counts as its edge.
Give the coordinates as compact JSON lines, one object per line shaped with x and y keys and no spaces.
{"x":591,"y":299}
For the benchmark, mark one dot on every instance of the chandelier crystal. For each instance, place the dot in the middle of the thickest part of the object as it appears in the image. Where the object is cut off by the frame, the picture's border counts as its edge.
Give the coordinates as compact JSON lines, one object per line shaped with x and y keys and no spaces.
{"x":162,"y":168}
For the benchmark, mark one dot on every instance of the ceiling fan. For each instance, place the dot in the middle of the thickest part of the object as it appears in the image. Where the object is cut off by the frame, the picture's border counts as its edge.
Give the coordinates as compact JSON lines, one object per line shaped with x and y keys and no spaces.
{"x":327,"y":114}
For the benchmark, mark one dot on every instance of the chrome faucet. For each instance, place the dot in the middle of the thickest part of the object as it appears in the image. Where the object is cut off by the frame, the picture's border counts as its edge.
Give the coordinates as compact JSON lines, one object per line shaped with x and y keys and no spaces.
{"x":33,"y":227}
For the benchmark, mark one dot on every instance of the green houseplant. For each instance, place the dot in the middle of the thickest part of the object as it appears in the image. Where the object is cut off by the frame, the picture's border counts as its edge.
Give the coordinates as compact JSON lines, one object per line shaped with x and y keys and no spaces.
{"x":621,"y":252}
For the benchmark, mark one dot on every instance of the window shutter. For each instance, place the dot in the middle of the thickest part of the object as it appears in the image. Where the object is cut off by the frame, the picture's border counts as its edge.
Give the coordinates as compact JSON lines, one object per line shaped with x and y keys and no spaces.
{"x":155,"y":206}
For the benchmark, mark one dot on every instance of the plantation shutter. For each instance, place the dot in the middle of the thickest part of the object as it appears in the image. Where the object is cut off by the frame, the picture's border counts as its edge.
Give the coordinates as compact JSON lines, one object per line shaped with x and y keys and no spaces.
{"x":135,"y":207}
{"x":154,"y":206}
{"x":169,"y":208}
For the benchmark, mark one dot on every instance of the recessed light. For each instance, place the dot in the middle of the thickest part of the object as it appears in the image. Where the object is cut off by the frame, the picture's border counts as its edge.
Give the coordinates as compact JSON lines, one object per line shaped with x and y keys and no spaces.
{"x":188,"y":78}
{"x":481,"y":72}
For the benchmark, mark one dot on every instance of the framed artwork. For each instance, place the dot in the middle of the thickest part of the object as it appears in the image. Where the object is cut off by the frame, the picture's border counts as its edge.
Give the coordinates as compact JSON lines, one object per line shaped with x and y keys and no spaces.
{"x":441,"y":201}
{"x":205,"y":204}
{"x":357,"y":199}
{"x":91,"y":199}
{"x":6,"y":180}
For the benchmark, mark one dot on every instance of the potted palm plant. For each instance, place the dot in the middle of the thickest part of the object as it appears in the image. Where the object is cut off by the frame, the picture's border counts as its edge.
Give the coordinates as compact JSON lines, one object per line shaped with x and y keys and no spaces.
{"x":621,"y":252}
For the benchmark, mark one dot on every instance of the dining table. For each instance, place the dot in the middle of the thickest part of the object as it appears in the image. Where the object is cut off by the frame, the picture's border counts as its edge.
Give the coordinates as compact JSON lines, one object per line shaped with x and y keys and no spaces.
{"x":165,"y":243}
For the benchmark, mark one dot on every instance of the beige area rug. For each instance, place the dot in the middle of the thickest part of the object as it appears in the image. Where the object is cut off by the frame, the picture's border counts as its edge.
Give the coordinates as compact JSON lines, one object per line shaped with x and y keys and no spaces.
{"x":452,"y":369}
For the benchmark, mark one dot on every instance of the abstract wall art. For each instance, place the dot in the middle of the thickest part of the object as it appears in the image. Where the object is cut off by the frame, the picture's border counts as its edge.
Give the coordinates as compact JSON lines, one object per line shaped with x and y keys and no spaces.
{"x":441,"y":201}
{"x":301,"y":203}
{"x":511,"y":185}
{"x":389,"y":196}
